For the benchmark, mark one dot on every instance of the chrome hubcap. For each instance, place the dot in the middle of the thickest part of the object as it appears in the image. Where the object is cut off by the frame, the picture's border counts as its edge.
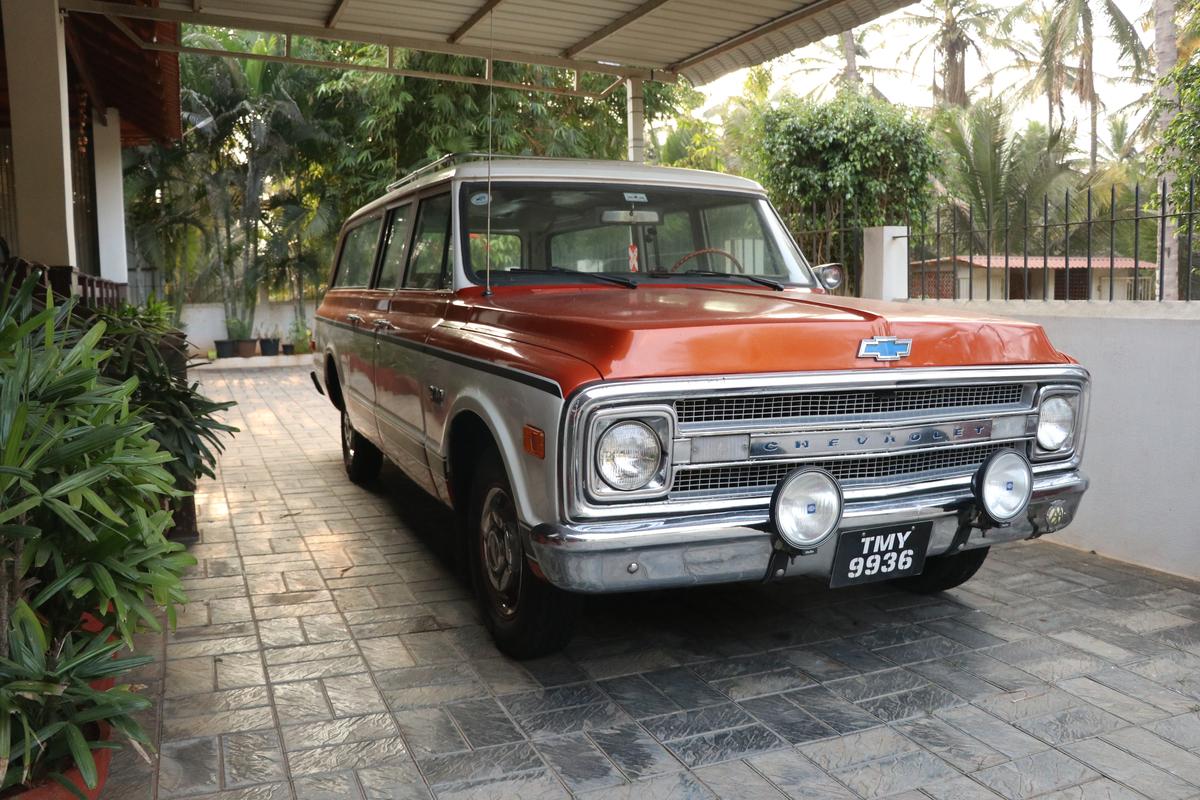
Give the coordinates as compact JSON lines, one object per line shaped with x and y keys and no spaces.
{"x":501,"y":550}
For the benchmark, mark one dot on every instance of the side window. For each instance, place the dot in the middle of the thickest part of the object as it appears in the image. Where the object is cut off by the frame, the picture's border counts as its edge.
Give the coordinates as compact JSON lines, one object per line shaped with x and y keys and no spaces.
{"x":431,"y":246}
{"x":395,"y":248}
{"x":358,"y":255}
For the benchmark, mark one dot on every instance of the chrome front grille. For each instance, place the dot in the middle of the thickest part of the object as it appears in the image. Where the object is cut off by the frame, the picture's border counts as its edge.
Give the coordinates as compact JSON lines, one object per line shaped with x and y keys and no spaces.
{"x":855,"y":403}
{"x":761,"y":477}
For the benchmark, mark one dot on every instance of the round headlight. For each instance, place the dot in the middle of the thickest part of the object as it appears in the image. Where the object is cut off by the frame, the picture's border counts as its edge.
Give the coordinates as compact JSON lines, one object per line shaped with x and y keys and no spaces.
{"x":1056,"y":422}
{"x":628,"y":455}
{"x":1004,"y":485}
{"x":807,"y":507}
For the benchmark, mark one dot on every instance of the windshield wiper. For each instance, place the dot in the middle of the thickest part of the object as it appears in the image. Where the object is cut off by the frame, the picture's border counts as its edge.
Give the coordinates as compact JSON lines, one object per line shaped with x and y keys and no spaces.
{"x":776,"y":285}
{"x":598,"y":276}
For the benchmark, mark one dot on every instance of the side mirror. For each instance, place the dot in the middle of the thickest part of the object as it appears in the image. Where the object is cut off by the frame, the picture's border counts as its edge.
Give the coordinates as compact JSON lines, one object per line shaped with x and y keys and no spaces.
{"x":831,"y":276}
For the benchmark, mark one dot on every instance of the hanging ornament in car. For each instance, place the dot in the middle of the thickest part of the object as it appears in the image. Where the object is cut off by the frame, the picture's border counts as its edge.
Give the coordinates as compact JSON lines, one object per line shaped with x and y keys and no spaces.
{"x":633,"y":259}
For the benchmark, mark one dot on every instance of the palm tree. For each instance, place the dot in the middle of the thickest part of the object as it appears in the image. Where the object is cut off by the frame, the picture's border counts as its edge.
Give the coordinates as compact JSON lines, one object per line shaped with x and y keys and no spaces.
{"x":991,"y":170}
{"x":959,"y":28}
{"x":840,"y":62}
{"x":1049,"y":73}
{"x":1072,"y":30}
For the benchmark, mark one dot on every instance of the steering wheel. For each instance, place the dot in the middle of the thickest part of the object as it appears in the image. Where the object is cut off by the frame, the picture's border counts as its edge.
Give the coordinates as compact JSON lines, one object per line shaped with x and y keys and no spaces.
{"x":704,"y":250}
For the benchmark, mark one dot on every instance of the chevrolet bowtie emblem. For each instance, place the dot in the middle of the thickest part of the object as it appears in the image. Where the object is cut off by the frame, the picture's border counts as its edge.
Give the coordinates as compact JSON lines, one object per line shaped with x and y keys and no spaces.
{"x":884,"y":348}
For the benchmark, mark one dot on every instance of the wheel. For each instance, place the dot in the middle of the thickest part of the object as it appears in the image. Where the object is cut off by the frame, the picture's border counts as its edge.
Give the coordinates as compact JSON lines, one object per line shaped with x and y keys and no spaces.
{"x":361,"y":458}
{"x":945,"y":572}
{"x":527,"y":616}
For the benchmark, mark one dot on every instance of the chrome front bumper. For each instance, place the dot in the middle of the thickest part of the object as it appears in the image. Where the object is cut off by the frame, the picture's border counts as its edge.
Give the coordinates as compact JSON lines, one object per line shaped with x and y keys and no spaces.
{"x":664,"y":552}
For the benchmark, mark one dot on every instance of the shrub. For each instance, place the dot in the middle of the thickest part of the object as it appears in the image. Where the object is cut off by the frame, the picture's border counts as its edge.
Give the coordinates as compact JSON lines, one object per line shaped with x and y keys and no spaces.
{"x":854,"y":157}
{"x":82,"y":520}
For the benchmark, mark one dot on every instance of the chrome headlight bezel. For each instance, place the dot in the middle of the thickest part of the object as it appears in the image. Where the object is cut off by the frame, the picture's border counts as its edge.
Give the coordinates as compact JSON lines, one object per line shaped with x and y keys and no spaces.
{"x":1074,"y":395}
{"x":660,"y":421}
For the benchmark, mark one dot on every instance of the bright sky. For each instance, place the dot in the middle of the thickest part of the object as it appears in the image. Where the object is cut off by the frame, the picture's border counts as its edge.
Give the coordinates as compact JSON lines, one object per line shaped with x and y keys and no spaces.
{"x":890,"y":42}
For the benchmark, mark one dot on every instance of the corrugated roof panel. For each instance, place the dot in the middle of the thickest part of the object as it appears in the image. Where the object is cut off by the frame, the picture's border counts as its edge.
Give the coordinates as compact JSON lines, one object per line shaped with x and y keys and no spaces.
{"x":702,"y":39}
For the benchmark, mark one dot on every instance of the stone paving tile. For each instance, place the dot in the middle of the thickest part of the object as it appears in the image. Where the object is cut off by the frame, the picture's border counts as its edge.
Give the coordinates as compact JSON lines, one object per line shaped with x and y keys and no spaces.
{"x":579,"y":763}
{"x":736,"y":780}
{"x":333,"y":651}
{"x":1130,"y":770}
{"x":1034,"y":775}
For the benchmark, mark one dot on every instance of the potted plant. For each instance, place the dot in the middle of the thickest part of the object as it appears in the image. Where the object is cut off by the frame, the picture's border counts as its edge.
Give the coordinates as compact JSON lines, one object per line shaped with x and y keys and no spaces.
{"x":239,"y":331}
{"x":82,"y":521}
{"x":300,"y":340}
{"x":269,"y":344}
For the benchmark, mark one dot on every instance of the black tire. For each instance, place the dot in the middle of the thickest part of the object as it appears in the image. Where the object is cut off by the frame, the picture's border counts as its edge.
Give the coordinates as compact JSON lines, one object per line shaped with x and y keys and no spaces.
{"x":945,"y":572}
{"x":361,"y":459}
{"x":527,"y":616}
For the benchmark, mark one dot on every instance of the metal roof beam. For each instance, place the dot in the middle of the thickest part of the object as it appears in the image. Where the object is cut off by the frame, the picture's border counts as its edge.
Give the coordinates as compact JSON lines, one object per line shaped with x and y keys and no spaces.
{"x":159,"y":14}
{"x":486,"y":80}
{"x":473,"y":20}
{"x":612,"y":28}
{"x":332,"y":20}
{"x":756,"y":32}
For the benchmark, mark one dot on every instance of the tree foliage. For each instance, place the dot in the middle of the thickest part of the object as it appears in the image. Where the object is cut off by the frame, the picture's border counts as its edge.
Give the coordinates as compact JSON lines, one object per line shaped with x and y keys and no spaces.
{"x":854,"y":158}
{"x":1179,"y":151}
{"x":274,"y":156}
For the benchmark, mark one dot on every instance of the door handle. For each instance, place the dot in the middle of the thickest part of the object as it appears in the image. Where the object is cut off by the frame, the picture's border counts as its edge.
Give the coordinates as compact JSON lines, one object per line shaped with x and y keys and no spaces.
{"x":355,"y":318}
{"x":382,"y":324}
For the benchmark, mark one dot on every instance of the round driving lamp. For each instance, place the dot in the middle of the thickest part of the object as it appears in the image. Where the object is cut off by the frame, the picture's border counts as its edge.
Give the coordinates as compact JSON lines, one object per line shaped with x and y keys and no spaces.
{"x":807,"y":507}
{"x":1056,"y":422}
{"x":628,"y":455}
{"x":1004,"y":485}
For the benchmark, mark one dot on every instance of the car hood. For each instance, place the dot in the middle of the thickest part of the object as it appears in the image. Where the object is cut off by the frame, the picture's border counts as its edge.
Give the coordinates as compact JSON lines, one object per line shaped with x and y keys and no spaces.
{"x":661,"y":331}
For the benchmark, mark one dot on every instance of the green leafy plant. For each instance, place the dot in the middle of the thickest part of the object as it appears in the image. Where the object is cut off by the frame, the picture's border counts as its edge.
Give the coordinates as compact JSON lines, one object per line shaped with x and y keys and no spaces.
{"x":83,"y":493}
{"x":237,"y":328}
{"x":299,"y":333}
{"x":145,"y":346}
{"x":56,"y":696}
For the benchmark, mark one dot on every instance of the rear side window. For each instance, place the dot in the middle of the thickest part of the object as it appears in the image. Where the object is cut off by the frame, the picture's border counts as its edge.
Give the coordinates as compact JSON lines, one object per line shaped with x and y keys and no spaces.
{"x":395,"y":248}
{"x":431,"y":246}
{"x":358,"y":256}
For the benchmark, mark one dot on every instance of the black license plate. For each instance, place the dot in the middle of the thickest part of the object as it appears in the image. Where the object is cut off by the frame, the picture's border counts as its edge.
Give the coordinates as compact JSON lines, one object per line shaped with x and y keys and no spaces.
{"x":880,"y":554}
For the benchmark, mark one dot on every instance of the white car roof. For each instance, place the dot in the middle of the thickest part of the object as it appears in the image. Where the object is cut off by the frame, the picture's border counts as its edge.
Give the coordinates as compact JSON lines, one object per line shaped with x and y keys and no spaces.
{"x":569,"y":170}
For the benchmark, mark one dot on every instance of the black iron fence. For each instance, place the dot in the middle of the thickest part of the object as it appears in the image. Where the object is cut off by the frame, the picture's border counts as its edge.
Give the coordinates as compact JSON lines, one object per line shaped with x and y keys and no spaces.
{"x":1125,"y":243}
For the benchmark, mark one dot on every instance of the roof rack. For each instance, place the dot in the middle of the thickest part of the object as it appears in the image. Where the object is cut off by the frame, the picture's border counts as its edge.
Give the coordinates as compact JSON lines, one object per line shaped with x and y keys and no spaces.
{"x":452,"y":159}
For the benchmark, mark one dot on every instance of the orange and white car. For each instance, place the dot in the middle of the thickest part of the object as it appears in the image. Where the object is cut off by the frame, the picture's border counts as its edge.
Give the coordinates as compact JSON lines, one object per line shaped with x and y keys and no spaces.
{"x":626,"y":377}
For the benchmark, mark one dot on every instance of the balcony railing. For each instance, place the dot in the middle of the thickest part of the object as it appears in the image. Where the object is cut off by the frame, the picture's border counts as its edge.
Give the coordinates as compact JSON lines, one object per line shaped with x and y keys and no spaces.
{"x":90,"y":290}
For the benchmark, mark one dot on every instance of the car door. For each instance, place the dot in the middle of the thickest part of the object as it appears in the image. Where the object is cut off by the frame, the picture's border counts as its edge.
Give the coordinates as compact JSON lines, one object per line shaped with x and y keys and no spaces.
{"x":350,"y":304}
{"x":415,"y":269}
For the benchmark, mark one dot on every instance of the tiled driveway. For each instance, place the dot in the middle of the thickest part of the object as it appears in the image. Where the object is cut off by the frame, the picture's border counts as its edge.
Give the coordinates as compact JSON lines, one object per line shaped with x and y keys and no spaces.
{"x":330,"y":652}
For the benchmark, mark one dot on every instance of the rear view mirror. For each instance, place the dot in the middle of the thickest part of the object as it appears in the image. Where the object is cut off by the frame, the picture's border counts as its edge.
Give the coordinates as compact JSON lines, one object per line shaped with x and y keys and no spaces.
{"x":621,"y":216}
{"x":831,"y":276}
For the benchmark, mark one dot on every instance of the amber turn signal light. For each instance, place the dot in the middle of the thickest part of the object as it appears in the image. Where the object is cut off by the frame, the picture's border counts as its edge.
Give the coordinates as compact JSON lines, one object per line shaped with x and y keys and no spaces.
{"x":535,"y":441}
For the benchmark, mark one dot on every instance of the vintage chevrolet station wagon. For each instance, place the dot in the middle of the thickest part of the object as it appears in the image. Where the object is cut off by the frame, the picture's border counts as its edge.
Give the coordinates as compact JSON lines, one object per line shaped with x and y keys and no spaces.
{"x":625,"y":377}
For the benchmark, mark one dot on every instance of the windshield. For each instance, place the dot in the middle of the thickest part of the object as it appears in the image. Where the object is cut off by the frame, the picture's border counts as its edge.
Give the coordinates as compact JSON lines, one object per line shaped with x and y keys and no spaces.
{"x":554,"y":232}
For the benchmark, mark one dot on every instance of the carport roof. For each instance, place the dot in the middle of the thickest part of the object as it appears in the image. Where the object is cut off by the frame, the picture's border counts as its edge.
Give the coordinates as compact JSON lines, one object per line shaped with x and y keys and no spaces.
{"x":698,"y":39}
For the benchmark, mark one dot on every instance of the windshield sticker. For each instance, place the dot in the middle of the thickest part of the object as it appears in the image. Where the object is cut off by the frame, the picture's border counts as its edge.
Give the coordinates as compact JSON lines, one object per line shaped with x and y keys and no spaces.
{"x":635,"y":197}
{"x":479,"y":199}
{"x":633,"y":262}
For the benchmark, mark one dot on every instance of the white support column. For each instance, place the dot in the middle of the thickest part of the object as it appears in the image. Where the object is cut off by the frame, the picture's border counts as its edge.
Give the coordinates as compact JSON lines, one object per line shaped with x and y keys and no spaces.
{"x":36,"y":53}
{"x":885,"y":263}
{"x":110,"y":197}
{"x":635,"y":119}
